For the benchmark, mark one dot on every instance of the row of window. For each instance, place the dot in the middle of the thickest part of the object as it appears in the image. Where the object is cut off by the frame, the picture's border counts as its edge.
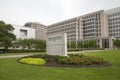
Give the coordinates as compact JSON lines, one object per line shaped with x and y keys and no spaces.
{"x":92,"y":19}
{"x":91,"y":23}
{"x":113,"y":22}
{"x":117,"y":26}
{"x":92,"y":34}
{"x":114,"y":34}
{"x":92,"y":30}
{"x":64,"y":23}
{"x":114,"y":19}
{"x":62,"y":26}
{"x":115,"y":14}
{"x":90,"y":16}
{"x":114,"y":30}
{"x":91,"y":27}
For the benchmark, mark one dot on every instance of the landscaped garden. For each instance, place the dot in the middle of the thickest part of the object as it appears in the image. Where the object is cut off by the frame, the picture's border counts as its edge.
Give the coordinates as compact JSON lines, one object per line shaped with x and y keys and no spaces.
{"x":72,"y":60}
{"x":10,"y":69}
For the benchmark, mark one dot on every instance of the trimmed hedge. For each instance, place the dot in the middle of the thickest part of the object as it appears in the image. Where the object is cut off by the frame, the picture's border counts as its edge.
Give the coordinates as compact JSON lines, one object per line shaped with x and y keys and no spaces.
{"x":33,"y":61}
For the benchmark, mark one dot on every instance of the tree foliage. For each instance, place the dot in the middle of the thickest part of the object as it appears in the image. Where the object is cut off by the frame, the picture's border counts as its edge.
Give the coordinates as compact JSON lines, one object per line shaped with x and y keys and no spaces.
{"x":80,"y":44}
{"x":6,"y":35}
{"x":117,"y":43}
{"x":89,"y":44}
{"x":85,"y":44}
{"x":30,"y":44}
{"x":73,"y":44}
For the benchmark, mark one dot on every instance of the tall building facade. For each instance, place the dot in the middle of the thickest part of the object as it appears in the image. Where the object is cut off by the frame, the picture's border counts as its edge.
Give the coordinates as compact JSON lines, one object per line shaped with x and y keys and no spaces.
{"x":68,"y":26}
{"x":95,"y":25}
{"x":102,"y":26}
{"x":40,"y":29}
{"x":114,"y":22}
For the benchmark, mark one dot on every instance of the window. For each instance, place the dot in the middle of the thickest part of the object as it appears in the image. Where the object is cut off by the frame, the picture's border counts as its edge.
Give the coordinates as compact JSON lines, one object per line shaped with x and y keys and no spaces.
{"x":23,"y":33}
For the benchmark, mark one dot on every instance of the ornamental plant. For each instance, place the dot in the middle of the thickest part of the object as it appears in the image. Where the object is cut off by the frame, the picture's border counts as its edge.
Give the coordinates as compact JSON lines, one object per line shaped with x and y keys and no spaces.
{"x":33,"y":61}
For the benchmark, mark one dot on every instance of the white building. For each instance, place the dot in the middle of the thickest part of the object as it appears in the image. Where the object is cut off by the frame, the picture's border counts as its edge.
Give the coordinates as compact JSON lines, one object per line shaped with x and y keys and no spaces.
{"x":114,"y":22}
{"x":23,"y":32}
{"x":102,"y":26}
{"x":40,"y":29}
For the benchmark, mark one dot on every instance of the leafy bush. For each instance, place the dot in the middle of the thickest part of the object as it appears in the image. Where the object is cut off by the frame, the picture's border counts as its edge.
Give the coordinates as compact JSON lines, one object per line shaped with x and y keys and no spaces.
{"x":33,"y":61}
{"x":63,"y":60}
{"x":77,"y":59}
{"x":75,"y":55}
{"x":97,"y":60}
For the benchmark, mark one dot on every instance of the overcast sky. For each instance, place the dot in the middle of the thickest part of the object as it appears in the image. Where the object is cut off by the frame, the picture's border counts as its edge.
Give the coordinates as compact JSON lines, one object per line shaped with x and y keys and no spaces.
{"x":47,"y":12}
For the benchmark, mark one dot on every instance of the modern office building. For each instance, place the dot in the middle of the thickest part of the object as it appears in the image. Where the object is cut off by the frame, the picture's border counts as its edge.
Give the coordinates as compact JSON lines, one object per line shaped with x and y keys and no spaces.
{"x":114,"y":22}
{"x":102,"y":26}
{"x":39,"y":28}
{"x":95,"y":27}
{"x":22,"y":32}
{"x":68,"y":26}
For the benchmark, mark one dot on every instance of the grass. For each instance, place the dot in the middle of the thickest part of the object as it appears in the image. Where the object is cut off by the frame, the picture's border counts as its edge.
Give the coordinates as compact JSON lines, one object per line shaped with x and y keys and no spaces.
{"x":11,"y":70}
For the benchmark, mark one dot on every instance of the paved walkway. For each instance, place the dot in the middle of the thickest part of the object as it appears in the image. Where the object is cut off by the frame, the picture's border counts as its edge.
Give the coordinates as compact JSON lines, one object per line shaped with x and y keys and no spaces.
{"x":22,"y":55}
{"x":76,"y":52}
{"x":14,"y":56}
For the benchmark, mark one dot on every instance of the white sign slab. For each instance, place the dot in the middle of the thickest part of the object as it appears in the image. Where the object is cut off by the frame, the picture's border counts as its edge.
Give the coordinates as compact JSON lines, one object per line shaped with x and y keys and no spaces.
{"x":57,"y":44}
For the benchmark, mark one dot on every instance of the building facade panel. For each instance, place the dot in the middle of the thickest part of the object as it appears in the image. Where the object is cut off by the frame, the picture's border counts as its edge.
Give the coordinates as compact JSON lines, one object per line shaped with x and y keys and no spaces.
{"x":23,"y":32}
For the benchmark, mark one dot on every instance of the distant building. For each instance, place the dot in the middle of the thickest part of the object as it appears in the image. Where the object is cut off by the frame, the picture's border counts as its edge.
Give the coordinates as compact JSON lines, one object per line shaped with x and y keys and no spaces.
{"x":102,"y":26}
{"x":39,"y":28}
{"x":23,"y":32}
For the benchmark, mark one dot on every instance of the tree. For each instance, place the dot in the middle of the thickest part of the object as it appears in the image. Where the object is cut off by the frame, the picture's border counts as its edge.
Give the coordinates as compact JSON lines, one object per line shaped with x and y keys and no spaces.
{"x":73,"y":44}
{"x":68,"y":44}
{"x":6,"y":35}
{"x":86,"y":44}
{"x":117,"y":43}
{"x":92,"y":44}
{"x":80,"y":45}
{"x":31,"y":44}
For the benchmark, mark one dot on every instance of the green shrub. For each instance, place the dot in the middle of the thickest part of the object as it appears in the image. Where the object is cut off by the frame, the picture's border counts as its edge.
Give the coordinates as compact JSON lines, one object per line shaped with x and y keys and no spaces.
{"x":33,"y":61}
{"x":75,"y":55}
{"x":96,"y":60}
{"x":77,"y":59}
{"x":64,"y":60}
{"x":93,"y":60}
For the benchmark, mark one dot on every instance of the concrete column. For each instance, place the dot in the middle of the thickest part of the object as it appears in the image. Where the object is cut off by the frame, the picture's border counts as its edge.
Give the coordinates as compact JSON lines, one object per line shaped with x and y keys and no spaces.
{"x":100,"y":43}
{"x":110,"y":43}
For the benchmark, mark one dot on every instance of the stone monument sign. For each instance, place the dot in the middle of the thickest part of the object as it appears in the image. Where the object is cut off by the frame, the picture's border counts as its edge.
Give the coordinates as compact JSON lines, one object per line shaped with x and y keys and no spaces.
{"x":57,"y":44}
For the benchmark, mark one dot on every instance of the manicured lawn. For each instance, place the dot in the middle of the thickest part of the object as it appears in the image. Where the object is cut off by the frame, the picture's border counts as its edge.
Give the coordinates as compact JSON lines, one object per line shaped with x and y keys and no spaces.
{"x":11,"y":70}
